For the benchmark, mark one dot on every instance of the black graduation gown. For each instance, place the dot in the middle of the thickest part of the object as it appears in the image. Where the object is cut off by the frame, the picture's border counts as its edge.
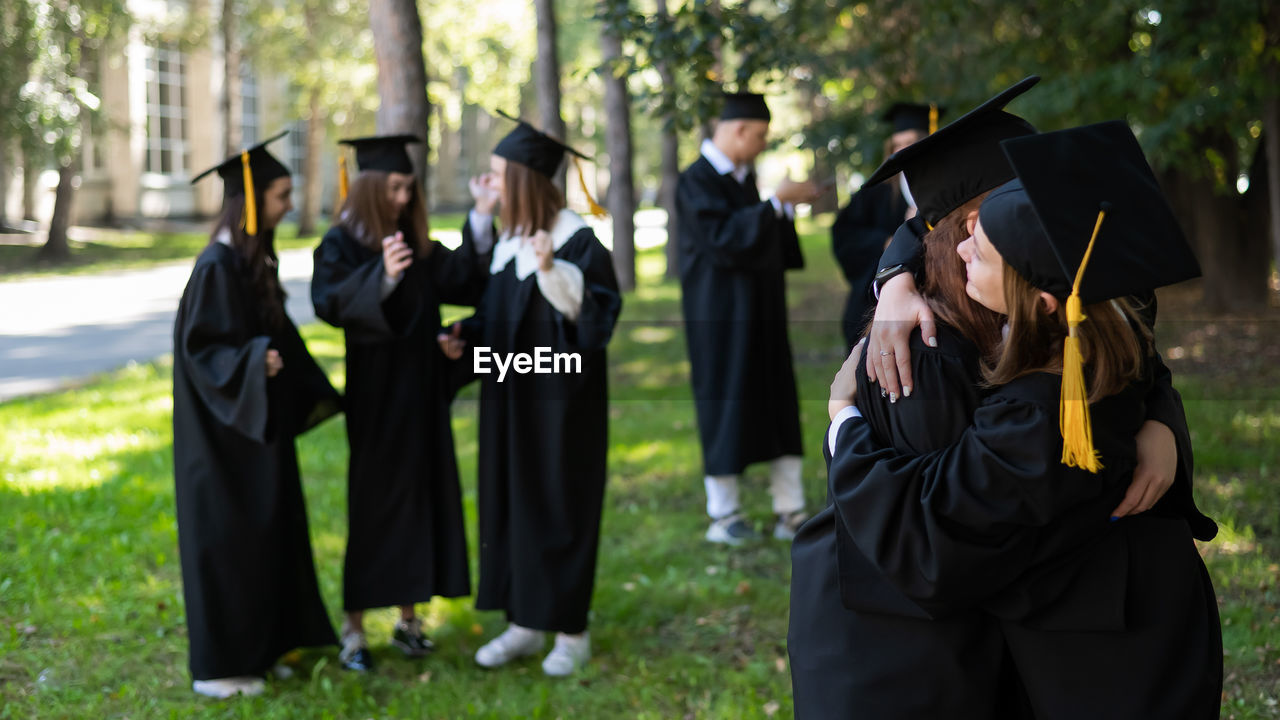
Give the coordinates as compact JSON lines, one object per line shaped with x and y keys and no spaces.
{"x":248,"y":577}
{"x":733,"y":253}
{"x":858,"y":645}
{"x":1102,"y":619}
{"x":406,"y":541}
{"x":858,"y":238}
{"x":543,"y":444}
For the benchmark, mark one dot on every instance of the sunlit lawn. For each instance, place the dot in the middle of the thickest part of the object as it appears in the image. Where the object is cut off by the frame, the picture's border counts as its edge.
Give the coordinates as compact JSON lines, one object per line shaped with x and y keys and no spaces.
{"x":91,"y":613}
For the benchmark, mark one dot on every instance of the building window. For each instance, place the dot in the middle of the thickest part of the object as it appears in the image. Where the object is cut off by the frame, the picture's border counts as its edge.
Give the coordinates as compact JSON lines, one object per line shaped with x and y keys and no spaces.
{"x":92,"y":138}
{"x":249,"y":132}
{"x":167,"y":132}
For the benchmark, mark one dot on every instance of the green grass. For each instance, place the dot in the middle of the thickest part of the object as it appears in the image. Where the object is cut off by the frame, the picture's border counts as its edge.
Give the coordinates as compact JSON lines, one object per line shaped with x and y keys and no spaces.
{"x":91,"y":618}
{"x":129,"y":249}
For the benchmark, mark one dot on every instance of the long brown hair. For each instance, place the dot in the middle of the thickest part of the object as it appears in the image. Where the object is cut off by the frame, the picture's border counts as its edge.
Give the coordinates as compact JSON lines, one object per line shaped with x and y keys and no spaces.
{"x":945,"y":279}
{"x":530,"y":202}
{"x":259,"y":255}
{"x":1113,"y":341}
{"x":367,"y":214}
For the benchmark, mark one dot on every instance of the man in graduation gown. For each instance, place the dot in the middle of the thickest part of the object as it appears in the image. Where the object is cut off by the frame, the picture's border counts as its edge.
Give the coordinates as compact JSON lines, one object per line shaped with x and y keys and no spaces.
{"x":866,"y":224}
{"x":734,"y":250}
{"x":247,"y":572}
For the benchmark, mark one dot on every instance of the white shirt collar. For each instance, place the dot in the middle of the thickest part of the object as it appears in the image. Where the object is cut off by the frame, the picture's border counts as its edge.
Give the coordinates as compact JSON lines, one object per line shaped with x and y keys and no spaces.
{"x":513,"y":247}
{"x":906,"y":190}
{"x":722,"y":163}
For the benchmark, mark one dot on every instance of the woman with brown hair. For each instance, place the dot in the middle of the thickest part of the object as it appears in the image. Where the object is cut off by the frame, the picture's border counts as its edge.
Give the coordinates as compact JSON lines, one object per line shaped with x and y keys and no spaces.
{"x":382,"y":280}
{"x":543,"y":435}
{"x":853,"y":636}
{"x":244,"y":386}
{"x":1102,"y":617}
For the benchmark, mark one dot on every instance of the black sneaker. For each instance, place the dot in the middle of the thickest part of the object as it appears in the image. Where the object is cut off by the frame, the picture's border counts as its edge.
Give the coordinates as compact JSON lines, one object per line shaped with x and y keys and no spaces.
{"x":355,"y":653}
{"x":408,"y":636}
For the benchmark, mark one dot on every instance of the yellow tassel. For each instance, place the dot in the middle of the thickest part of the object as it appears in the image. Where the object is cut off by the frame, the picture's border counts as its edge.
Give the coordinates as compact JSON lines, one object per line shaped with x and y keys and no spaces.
{"x":595,"y":209}
{"x":1073,"y":409}
{"x":250,"y":205}
{"x":342,"y":178}
{"x":933,"y":118}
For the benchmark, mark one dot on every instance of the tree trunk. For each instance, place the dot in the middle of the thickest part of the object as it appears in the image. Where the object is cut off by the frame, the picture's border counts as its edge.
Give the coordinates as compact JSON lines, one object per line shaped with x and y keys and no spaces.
{"x":670,"y":162}
{"x":402,"y":76}
{"x":56,"y":248}
{"x":30,"y":182}
{"x":5,"y":169}
{"x":311,"y":180}
{"x":1232,"y":259}
{"x":546,"y":72}
{"x":232,"y":95}
{"x":622,"y":187}
{"x":1271,"y":125}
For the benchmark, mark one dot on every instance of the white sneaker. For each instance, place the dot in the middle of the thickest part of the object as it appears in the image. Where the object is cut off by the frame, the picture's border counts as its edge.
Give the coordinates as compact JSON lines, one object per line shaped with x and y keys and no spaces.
{"x":228,"y":687}
{"x":732,"y":530}
{"x":514,"y":642}
{"x":789,"y":524}
{"x":570,"y":653}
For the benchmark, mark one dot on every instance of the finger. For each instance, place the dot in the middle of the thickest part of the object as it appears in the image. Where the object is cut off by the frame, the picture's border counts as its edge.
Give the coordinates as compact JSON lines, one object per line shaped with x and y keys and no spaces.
{"x":902,"y":354}
{"x":1132,"y":497}
{"x":889,"y":375}
{"x":456,"y":330}
{"x":871,"y":356}
{"x":928,"y":329}
{"x":1149,"y":499}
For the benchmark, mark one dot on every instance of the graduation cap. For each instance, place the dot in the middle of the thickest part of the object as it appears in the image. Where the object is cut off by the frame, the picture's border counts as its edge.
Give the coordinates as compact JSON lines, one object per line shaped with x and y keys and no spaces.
{"x":1086,"y":221}
{"x":913,"y":116}
{"x":542,"y":153}
{"x":744,"y":106}
{"x":962,"y":160}
{"x":377,"y":152}
{"x":241,"y":171}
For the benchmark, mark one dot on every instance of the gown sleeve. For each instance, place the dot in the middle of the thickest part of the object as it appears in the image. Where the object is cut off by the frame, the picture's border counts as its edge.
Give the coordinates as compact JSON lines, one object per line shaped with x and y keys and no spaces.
{"x":601,"y":299}
{"x":748,"y":237}
{"x":906,"y":249}
{"x":954,"y":527}
{"x":347,"y":291}
{"x":226,"y":366}
{"x":460,"y":274}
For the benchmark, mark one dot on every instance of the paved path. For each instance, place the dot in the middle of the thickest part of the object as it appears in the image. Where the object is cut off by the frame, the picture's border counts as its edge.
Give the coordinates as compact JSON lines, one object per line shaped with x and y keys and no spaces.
{"x":57,"y":330}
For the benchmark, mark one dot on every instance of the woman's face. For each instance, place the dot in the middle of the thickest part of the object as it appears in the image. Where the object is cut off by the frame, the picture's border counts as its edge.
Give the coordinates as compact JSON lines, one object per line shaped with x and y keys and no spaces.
{"x":277,"y":199}
{"x":497,"y":173}
{"x":399,"y":191}
{"x":984,"y":269}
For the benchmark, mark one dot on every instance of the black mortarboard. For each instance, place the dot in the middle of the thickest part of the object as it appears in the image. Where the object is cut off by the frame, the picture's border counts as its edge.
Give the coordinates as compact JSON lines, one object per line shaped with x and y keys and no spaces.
{"x":913,"y":116}
{"x":1043,"y":222}
{"x":1085,"y":220}
{"x":542,"y":153}
{"x":962,"y":160}
{"x":744,"y":106}
{"x":529,"y":146}
{"x":383,"y":152}
{"x":262,"y":164}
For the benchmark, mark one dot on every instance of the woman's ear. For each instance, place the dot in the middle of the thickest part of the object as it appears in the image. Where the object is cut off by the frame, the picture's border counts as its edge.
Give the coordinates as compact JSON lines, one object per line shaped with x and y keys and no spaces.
{"x":1049,"y":303}
{"x":970,"y":222}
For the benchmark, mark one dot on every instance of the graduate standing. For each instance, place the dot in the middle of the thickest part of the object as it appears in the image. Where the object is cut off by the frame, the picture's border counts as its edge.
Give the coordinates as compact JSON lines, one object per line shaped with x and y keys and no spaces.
{"x":243,"y":387}
{"x":381,"y":279}
{"x":734,"y":251}
{"x":863,"y":228}
{"x":543,"y":437}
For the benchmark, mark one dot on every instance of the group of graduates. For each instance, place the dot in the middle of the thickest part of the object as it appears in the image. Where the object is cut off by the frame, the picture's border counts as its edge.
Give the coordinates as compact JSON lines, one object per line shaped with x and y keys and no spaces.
{"x":245,"y":387}
{"x":1009,"y":527}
